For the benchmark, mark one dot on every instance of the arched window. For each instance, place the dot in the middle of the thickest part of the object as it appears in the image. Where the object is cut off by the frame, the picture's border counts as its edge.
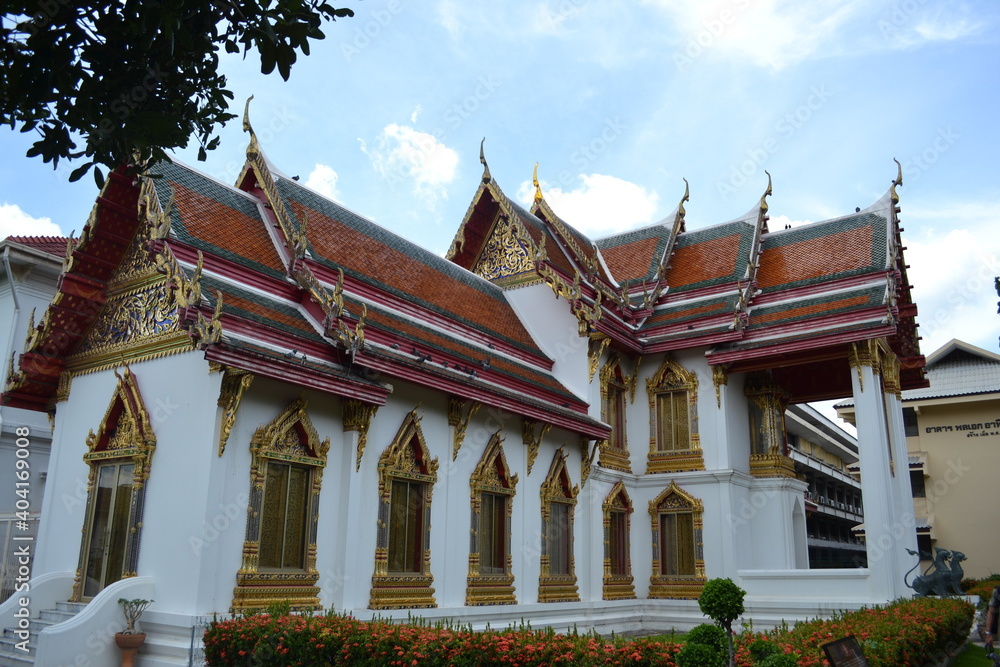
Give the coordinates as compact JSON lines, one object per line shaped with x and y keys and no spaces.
{"x":406,"y":477}
{"x":614,"y":393}
{"x":491,"y":580}
{"x":557,"y":581}
{"x":674,"y":443}
{"x":678,"y":555}
{"x":617,"y":545}
{"x":286,"y":473}
{"x":119,"y":456}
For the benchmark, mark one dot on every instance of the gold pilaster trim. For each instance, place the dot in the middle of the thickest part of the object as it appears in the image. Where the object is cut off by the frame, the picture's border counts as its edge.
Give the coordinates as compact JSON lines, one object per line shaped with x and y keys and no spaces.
{"x":234,"y":383}
{"x":460,"y":413}
{"x":358,"y":417}
{"x":720,"y":378}
{"x":531,"y":440}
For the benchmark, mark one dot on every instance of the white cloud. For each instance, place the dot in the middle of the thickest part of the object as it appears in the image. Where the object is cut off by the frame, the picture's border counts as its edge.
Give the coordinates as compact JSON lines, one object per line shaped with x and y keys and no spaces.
{"x":601,"y":205}
{"x":402,"y":153}
{"x":952,"y":274}
{"x":933,"y":31}
{"x":768,"y":33}
{"x":416,"y":113}
{"x":323,"y":179}
{"x":15,"y":222}
{"x":779,"y":222}
{"x":448,"y":11}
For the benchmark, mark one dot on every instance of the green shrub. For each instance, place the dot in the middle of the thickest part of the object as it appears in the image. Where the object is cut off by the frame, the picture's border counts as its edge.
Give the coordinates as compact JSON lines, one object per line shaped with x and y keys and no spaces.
{"x":710,"y":635}
{"x":761,"y":649}
{"x":700,"y":655}
{"x":722,"y":601}
{"x":779,"y":660}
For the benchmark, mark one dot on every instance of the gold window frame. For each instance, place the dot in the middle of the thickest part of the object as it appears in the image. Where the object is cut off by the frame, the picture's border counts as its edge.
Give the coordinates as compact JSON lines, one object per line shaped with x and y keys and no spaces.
{"x":558,"y":488}
{"x":406,"y":458}
{"x":289,"y":438}
{"x":671,"y":377}
{"x":615,"y":385}
{"x":125,"y":433}
{"x":492,"y":475}
{"x":618,"y":586}
{"x":675,"y":500}
{"x":768,"y":441}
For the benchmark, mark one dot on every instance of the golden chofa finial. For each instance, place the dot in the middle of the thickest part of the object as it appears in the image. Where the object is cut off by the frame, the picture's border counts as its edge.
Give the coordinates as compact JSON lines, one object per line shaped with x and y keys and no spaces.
{"x":246,"y":116}
{"x":767,"y":193}
{"x":679,"y":220}
{"x":482,"y":158}
{"x":896,"y":183}
{"x":538,"y":188}
{"x":253,"y":148}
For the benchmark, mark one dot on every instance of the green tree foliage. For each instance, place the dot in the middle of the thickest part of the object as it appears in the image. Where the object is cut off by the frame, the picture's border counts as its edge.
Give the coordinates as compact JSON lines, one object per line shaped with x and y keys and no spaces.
{"x":722,"y":601}
{"x":708,"y":635}
{"x":114,"y":81}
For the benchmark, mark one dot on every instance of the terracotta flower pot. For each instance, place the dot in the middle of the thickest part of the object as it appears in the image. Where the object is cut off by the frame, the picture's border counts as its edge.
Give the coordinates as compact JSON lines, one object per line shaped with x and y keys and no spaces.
{"x":129,"y":645}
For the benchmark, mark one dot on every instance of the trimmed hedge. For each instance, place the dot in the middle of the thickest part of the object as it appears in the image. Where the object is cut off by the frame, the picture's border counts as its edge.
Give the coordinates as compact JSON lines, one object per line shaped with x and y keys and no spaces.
{"x":906,"y":632}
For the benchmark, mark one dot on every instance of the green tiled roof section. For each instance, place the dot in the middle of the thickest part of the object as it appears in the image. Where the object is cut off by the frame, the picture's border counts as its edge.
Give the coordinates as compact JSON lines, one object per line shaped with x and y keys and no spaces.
{"x":820,"y":306}
{"x":817,"y":231}
{"x":691,"y":311}
{"x":740,"y":260}
{"x":209,"y":286}
{"x":448,"y":270}
{"x":226,"y":196}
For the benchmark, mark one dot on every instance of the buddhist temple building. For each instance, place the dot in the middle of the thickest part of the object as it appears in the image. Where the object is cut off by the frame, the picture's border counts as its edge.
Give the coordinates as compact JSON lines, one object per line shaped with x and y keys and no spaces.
{"x":266,"y":397}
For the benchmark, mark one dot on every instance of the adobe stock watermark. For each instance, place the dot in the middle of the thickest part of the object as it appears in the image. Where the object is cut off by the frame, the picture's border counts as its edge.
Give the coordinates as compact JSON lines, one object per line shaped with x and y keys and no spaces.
{"x":785,"y":128}
{"x":711,"y":30}
{"x":588,"y":152}
{"x":266,"y":132}
{"x":371,"y":30}
{"x":915,"y":165}
{"x":899,"y":16}
{"x":229,"y":514}
{"x":969,"y":292}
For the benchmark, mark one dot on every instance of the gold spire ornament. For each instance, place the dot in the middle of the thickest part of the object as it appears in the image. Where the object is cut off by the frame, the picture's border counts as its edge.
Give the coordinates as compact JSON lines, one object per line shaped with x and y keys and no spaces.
{"x":896,"y":183}
{"x":482,"y":158}
{"x":538,"y":188}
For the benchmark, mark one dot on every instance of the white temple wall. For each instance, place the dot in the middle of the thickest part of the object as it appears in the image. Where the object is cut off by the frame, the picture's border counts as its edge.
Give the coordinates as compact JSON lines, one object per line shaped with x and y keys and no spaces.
{"x":555,"y":330}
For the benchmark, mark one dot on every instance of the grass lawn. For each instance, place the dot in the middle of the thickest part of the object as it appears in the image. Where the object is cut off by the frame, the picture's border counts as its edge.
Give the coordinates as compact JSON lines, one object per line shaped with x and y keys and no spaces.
{"x":973,"y":656}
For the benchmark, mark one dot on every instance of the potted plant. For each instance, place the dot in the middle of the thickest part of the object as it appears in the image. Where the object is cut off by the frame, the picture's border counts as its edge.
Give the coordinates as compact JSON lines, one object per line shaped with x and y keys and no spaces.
{"x":129,"y":640}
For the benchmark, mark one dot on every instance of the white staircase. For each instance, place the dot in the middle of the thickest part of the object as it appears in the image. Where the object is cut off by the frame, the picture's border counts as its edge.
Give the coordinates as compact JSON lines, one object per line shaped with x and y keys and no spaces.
{"x":12,"y":656}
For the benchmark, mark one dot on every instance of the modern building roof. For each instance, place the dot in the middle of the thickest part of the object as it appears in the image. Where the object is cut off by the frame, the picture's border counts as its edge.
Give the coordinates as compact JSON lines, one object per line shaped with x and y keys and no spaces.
{"x":959,"y":369}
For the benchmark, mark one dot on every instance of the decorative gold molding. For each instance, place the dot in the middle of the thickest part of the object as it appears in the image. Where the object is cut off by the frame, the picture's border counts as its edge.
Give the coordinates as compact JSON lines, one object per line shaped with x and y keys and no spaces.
{"x":675,"y":500}
{"x":863,"y":353}
{"x":531,"y":440}
{"x":460,"y":413}
{"x":719,"y":378}
{"x":358,"y":417}
{"x":671,"y":377}
{"x":125,"y":433}
{"x":614,"y":455}
{"x":289,"y":438}
{"x":617,"y":586}
{"x":595,"y":349}
{"x":492,"y":475}
{"x":557,"y":488}
{"x":587,"y":457}
{"x":406,"y":458}
{"x":234,"y":383}
{"x":504,"y":258}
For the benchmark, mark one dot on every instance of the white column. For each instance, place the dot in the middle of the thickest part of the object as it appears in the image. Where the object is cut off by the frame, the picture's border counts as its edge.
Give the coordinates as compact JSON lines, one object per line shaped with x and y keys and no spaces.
{"x":904,"y":492}
{"x":885,"y":532}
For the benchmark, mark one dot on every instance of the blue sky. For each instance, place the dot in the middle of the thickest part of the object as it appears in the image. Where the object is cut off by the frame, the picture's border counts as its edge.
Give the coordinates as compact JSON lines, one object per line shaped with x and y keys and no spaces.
{"x":618,"y":102}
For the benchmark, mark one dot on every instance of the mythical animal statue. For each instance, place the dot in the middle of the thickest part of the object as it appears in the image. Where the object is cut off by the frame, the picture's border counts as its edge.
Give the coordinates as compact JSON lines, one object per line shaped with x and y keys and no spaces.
{"x":939,"y":579}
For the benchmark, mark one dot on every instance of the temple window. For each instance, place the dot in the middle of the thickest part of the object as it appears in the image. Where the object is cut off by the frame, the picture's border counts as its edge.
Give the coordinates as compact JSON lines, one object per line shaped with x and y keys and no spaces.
{"x":490,"y":579}
{"x":678,"y":557}
{"x":674,"y":443}
{"x":557,"y":580}
{"x":617,"y":545}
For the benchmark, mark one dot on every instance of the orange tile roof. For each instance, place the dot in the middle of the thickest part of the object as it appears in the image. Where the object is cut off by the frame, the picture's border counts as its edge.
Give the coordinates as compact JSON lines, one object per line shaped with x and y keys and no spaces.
{"x":708,"y":260}
{"x":52,"y":245}
{"x":213,"y":222}
{"x":815,"y":257}
{"x":811,"y":309}
{"x":631,"y":260}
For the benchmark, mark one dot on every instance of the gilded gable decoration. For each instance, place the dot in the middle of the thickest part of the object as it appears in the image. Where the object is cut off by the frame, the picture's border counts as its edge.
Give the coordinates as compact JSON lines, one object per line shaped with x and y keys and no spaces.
{"x":491,"y":580}
{"x":504,"y":258}
{"x":358,"y":417}
{"x":532,"y":440}
{"x":617,"y":523}
{"x":406,"y":477}
{"x":678,"y":549}
{"x":674,"y":441}
{"x":288,"y":457}
{"x":122,"y":448}
{"x":234,"y":383}
{"x":557,"y":577}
